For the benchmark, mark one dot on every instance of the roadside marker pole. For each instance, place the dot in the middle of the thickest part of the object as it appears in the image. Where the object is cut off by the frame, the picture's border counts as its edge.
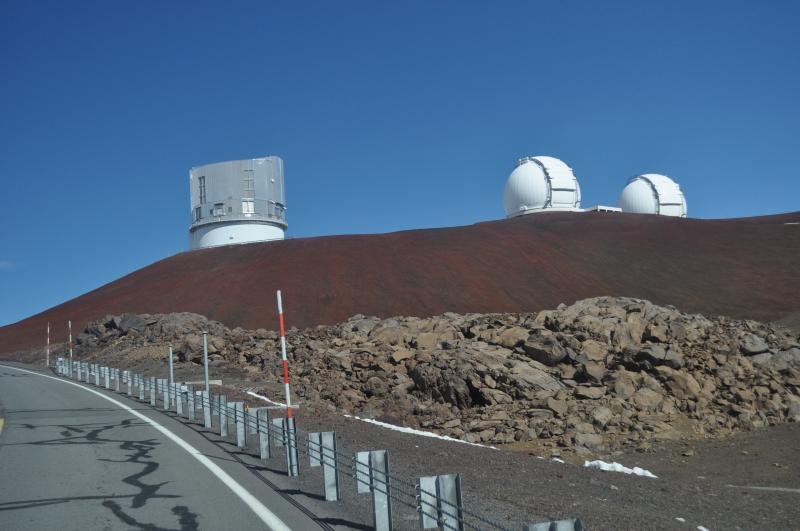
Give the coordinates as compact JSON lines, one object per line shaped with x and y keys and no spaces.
{"x":205,"y":360}
{"x":48,"y":344}
{"x":69,"y":325}
{"x":291,"y":435}
{"x":171,"y":372}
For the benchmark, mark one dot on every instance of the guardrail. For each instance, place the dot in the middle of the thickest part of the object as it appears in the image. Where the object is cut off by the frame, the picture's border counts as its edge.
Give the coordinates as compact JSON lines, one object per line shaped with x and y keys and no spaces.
{"x":437,"y":500}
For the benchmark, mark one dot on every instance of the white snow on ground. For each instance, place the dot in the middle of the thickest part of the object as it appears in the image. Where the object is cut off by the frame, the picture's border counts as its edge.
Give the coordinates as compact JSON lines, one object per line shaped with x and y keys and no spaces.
{"x":701,"y":528}
{"x":678,"y":518}
{"x":616,"y":467}
{"x":386,"y":425}
{"x":557,"y":460}
{"x":412,"y":431}
{"x":264,"y":398}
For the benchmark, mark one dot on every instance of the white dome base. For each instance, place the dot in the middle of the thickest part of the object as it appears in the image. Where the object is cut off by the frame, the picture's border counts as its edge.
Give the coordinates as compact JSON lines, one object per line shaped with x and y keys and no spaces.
{"x":214,"y":235}
{"x":542,"y":210}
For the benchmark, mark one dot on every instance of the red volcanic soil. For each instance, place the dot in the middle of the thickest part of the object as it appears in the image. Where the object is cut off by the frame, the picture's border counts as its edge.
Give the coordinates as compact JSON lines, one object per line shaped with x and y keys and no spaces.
{"x":746,"y":268}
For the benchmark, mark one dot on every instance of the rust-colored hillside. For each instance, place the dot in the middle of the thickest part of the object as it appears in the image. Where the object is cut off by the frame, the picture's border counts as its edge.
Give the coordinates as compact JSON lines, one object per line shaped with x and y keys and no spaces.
{"x":739,"y":267}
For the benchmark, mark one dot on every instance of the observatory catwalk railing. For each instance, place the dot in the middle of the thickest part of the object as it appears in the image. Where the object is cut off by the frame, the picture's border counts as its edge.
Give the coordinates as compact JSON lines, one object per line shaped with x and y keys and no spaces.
{"x":436,"y":500}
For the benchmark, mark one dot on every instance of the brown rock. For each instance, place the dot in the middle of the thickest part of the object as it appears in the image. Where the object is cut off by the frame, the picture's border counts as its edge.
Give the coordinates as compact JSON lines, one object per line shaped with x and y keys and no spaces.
{"x":587,"y":392}
{"x":401,"y":355}
{"x":594,"y":350}
{"x":513,"y":337}
{"x":559,"y":407}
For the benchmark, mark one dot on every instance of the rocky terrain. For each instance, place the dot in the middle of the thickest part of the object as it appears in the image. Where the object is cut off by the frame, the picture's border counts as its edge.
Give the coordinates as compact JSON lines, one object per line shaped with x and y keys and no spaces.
{"x":601,"y":375}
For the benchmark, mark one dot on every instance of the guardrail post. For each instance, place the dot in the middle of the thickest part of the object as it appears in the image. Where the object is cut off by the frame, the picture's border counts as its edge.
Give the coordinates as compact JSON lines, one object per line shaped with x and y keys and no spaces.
{"x":165,"y":391}
{"x":178,"y":399}
{"x":238,"y":412}
{"x":206,"y":398}
{"x":140,"y":379}
{"x":223,"y":415}
{"x":116,"y":380}
{"x":574,"y":524}
{"x":280,"y":426}
{"x":191,"y":408}
{"x":127,"y":377}
{"x":330,"y":469}
{"x":97,"y":374}
{"x":439,"y":502}
{"x":252,"y":421}
{"x":264,"y":434}
{"x":153,"y":391}
{"x":379,"y":485}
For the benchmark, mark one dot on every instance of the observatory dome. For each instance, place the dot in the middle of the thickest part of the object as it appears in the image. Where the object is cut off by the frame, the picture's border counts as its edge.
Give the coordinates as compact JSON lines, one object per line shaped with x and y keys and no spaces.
{"x":540,"y":184}
{"x":652,"y":193}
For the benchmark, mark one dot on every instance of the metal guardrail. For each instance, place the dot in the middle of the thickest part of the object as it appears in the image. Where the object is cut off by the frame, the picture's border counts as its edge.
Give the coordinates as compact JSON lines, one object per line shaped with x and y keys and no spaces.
{"x":436,"y":499}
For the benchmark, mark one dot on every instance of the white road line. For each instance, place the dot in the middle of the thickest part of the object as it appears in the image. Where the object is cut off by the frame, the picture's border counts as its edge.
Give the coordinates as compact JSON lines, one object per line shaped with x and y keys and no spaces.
{"x":268,"y":517}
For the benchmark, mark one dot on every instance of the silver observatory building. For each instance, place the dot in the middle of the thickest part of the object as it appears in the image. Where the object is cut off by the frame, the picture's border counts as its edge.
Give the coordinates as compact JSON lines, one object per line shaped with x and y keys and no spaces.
{"x":238,"y":201}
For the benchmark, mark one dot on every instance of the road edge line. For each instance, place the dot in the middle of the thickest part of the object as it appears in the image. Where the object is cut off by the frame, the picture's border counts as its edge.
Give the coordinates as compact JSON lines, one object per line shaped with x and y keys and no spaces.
{"x":261,"y":510}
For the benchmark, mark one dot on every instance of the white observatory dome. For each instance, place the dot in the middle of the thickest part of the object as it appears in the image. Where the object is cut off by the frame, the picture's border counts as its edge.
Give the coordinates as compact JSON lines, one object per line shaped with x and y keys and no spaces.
{"x":540,"y":184}
{"x":652,"y":193}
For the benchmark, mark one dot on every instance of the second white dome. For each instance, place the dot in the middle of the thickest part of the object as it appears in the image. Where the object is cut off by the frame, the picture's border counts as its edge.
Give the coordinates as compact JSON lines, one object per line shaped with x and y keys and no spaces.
{"x":541,"y":183}
{"x":652,"y":193}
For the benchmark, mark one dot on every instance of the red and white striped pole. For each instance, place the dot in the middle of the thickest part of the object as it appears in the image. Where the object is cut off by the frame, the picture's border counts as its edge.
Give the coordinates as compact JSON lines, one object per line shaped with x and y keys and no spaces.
{"x":69,"y":324}
{"x":285,"y":360}
{"x":291,"y":439}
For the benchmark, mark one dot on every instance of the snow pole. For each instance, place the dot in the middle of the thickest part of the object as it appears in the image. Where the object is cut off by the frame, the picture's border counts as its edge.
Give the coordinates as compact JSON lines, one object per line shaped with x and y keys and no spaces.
{"x":47,"y":361}
{"x":291,"y":439}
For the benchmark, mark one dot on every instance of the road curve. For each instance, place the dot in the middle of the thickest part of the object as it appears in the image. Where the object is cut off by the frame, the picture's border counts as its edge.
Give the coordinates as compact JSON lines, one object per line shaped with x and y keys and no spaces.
{"x":72,"y":457}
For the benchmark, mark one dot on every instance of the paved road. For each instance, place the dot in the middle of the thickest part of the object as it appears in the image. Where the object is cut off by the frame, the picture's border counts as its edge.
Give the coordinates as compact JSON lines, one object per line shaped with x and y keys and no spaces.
{"x":72,"y":459}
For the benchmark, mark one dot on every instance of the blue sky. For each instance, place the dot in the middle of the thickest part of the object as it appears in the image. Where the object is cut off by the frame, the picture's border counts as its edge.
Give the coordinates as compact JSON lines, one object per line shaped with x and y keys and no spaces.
{"x":389,"y":116}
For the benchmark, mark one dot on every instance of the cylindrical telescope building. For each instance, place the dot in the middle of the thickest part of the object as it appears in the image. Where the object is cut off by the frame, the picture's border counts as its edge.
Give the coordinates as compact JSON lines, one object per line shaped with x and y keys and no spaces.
{"x":239,"y":201}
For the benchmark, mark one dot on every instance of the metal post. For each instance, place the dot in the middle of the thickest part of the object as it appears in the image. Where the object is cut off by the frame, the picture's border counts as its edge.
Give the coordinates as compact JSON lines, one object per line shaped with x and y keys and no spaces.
{"x":280,"y":438}
{"x":205,"y":360}
{"x":439,"y":502}
{"x":572,"y":524}
{"x":292,"y":458}
{"x":264,"y":433}
{"x":47,"y":361}
{"x":171,"y":371}
{"x":191,"y":409}
{"x":127,"y":375}
{"x":241,"y":437}
{"x":178,"y":394}
{"x":107,"y":377}
{"x":206,"y":398}
{"x":97,"y":374}
{"x":223,"y":415}
{"x":330,"y":471}
{"x":69,"y":324}
{"x":140,"y":379}
{"x":153,"y":391}
{"x":166,"y":389}
{"x":116,"y":380}
{"x":379,"y":485}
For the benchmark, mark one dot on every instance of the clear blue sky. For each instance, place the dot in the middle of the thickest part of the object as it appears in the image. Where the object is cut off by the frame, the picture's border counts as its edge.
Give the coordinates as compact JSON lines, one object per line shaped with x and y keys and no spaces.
{"x":389,"y":116}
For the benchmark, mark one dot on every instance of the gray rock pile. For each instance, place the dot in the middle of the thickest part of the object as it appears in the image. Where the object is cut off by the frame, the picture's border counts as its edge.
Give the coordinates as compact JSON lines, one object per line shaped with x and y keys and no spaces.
{"x":596,"y":375}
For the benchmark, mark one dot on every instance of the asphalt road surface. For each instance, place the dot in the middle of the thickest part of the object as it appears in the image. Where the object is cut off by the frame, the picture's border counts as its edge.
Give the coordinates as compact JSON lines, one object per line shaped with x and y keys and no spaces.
{"x":76,"y":457}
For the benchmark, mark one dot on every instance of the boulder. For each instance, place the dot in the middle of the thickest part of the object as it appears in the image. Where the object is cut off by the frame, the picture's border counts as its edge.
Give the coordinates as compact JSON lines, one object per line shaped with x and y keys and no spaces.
{"x":513,"y":337}
{"x":751,"y":344}
{"x":546,"y":350}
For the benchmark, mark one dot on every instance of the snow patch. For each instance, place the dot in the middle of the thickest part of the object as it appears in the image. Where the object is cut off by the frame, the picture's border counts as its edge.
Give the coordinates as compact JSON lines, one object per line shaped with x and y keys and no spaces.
{"x":616,"y":467}
{"x":701,"y":528}
{"x":678,"y":518}
{"x":412,"y":431}
{"x":557,"y":460}
{"x":265,"y":399}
